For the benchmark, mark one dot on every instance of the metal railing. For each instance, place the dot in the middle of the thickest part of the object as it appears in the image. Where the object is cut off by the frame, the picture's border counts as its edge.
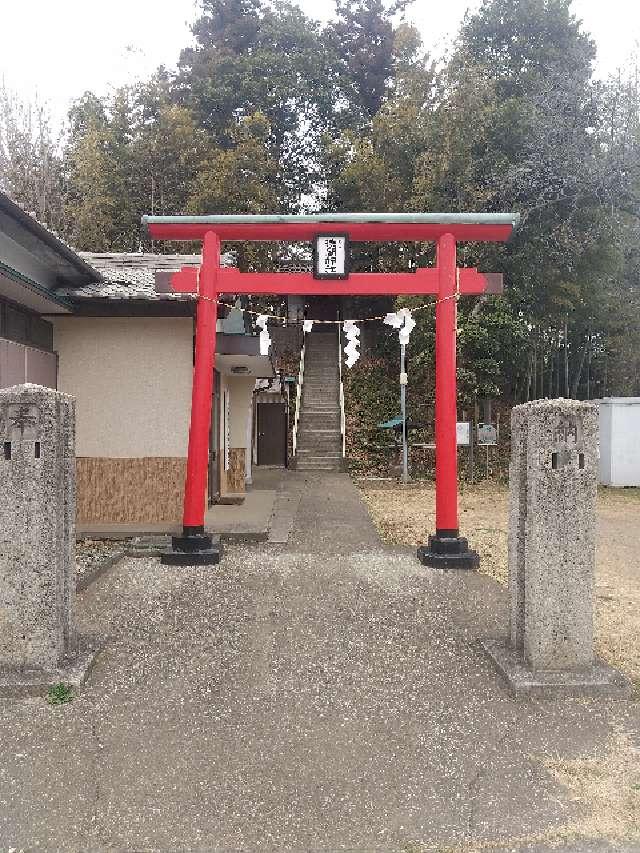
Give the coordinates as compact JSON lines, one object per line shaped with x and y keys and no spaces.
{"x":343,"y":425}
{"x":299,"y":395}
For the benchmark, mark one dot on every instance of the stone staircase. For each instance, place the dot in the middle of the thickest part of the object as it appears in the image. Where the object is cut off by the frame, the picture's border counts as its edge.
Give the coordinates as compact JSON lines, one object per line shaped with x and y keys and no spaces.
{"x":319,"y":438}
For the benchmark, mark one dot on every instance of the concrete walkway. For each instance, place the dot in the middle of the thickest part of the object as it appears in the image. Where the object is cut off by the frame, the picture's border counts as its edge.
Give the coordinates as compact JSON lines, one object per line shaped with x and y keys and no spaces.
{"x":327,"y":694}
{"x":331,"y":517}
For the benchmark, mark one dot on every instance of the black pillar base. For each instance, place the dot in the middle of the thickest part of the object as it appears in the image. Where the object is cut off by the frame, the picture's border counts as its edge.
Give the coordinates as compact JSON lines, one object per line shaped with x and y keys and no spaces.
{"x":448,"y":550}
{"x":193,"y":548}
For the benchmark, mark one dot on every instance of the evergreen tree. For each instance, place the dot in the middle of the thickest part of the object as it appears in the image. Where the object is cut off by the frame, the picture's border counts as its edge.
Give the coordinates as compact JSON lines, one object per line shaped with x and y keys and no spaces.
{"x":92,"y":200}
{"x":252,"y":57}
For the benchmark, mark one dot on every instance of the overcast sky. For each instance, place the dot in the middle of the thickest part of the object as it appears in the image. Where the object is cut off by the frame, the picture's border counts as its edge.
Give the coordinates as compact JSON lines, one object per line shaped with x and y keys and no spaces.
{"x":58,"y":50}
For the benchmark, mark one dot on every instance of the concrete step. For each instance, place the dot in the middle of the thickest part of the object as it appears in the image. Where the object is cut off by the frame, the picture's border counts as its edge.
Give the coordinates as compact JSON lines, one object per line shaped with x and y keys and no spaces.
{"x":319,"y":466}
{"x":325,"y":458}
{"x":319,"y":387}
{"x":328,"y":421}
{"x":318,"y":459}
{"x":322,"y":404}
{"x":332,"y":435}
{"x":329,"y":453}
{"x":320,"y":419}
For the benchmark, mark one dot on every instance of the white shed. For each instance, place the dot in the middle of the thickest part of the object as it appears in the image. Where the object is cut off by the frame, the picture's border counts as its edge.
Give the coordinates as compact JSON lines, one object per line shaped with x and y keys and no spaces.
{"x":620,"y":441}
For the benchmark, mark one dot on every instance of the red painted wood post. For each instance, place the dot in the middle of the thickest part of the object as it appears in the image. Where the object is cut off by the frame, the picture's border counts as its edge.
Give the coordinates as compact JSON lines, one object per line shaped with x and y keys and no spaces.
{"x":202,"y":388}
{"x":446,"y":549}
{"x":446,"y":416}
{"x":194,"y":546}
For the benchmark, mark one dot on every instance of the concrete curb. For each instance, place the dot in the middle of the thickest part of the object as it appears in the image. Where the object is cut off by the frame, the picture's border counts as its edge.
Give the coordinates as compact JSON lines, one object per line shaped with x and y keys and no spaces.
{"x":85,"y":580}
{"x":158,"y":547}
{"x":74,"y":673}
{"x":598,"y":680}
{"x":244,"y":538}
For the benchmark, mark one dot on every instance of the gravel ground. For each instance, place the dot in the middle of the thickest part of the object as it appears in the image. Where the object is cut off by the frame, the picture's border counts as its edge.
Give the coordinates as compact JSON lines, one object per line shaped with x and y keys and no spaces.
{"x":407,"y":515}
{"x":285,"y":701}
{"x":329,"y":695}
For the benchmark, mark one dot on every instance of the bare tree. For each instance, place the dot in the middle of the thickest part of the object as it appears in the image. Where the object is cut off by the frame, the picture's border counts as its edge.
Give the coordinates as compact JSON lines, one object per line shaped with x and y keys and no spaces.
{"x":31,"y":159}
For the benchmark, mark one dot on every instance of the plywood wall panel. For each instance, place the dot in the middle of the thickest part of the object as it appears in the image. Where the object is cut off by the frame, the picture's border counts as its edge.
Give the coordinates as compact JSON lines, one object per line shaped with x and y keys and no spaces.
{"x":236,"y":470}
{"x":147,"y":489}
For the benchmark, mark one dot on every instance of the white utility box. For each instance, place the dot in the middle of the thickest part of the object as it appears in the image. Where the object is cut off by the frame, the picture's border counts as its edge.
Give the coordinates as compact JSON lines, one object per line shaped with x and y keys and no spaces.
{"x":620,"y":441}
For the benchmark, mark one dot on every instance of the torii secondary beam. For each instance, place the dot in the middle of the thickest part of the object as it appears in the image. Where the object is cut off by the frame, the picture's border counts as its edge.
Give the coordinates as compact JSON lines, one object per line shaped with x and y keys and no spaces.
{"x":422,"y":282}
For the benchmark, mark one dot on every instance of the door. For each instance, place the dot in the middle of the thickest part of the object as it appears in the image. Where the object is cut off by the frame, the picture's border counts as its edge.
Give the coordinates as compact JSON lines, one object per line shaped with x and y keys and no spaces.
{"x":272,"y":434}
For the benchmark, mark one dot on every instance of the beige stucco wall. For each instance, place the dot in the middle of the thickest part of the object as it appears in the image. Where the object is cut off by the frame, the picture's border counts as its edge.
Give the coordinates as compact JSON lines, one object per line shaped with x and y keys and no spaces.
{"x":240,"y":390}
{"x":132,"y":381}
{"x":240,"y":404}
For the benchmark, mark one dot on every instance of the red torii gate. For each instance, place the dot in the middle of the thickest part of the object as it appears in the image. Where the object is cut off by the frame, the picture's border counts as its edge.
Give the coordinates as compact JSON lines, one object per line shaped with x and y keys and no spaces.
{"x":446,"y":549}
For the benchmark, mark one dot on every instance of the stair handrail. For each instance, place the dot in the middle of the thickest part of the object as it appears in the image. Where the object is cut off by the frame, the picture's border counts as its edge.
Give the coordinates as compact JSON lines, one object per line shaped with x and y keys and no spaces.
{"x":299,"y":394}
{"x":343,"y":426}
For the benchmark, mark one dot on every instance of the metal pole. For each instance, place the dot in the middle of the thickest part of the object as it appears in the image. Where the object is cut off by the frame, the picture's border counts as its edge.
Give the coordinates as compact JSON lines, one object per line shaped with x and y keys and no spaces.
{"x":566,"y":357}
{"x":403,"y":412}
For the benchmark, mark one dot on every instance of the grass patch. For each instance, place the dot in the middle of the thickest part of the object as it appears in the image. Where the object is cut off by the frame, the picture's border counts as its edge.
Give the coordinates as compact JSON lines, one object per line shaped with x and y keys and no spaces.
{"x":59,"y":694}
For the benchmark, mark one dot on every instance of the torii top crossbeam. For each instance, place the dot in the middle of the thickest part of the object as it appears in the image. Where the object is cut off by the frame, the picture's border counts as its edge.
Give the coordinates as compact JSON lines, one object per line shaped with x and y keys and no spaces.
{"x":360,"y":227}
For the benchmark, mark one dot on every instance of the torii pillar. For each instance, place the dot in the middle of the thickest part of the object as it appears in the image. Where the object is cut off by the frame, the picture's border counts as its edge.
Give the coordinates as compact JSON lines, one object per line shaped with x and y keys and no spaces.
{"x":446,"y":548}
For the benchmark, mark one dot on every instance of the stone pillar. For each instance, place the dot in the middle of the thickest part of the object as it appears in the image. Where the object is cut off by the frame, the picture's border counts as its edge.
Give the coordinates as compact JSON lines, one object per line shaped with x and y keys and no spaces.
{"x":552,"y":547}
{"x":38,"y":637}
{"x":552,"y":532}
